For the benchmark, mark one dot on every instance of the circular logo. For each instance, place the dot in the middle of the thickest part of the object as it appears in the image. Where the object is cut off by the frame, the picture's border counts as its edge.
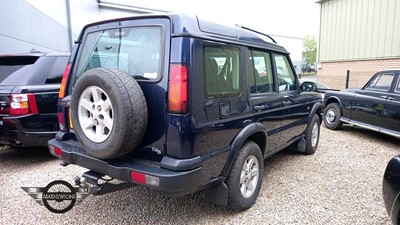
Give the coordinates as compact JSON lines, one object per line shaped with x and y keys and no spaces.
{"x":59,"y":196}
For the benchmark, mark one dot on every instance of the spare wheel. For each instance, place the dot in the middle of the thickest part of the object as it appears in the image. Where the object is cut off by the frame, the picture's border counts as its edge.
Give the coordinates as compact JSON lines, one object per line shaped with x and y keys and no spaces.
{"x":109,"y":112}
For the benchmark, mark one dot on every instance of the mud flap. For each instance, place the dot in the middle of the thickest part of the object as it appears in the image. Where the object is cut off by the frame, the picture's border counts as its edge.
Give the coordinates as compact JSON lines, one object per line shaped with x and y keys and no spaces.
{"x":217,"y":194}
{"x":301,"y":145}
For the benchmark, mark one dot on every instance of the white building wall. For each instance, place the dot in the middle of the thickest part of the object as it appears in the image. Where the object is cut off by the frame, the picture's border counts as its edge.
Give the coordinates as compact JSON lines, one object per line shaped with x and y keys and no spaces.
{"x":24,"y":26}
{"x":43,"y":24}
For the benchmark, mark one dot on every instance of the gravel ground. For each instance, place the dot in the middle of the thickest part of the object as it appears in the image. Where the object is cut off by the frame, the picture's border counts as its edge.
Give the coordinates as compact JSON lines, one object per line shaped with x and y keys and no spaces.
{"x":340,"y":184}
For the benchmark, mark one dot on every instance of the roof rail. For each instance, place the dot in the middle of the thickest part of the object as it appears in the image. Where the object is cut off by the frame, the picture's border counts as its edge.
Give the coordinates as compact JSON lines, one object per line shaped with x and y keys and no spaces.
{"x":246,"y":28}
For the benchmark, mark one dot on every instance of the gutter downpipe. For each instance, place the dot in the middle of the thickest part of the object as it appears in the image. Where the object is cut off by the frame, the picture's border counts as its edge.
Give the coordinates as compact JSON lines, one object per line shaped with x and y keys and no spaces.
{"x":67,"y":4}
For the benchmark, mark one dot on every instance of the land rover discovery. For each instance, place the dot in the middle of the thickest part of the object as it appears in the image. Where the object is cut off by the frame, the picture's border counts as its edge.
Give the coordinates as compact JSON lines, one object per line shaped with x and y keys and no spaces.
{"x":178,"y":104}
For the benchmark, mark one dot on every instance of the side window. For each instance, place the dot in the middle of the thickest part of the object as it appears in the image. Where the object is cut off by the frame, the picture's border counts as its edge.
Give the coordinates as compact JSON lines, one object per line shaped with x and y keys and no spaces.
{"x":260,"y":72}
{"x":286,"y":78}
{"x":57,"y":70}
{"x":221,"y":71}
{"x":380,"y":82}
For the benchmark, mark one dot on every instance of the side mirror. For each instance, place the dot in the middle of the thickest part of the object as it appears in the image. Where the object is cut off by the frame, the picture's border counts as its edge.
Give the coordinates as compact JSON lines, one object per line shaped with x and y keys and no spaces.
{"x":309,"y":86}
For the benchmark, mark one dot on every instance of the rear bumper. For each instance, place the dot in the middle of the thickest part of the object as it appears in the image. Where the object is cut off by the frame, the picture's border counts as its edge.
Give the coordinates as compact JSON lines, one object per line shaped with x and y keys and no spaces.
{"x":28,"y":130}
{"x":171,"y":182}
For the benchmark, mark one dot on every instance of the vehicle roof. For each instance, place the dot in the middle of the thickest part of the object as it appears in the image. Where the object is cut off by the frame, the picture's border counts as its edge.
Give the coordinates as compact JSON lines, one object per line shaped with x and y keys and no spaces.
{"x":191,"y":25}
{"x":391,"y":69}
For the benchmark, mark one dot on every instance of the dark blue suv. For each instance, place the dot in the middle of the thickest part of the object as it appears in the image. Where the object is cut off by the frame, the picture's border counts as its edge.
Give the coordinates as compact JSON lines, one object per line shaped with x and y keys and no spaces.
{"x":181,"y":105}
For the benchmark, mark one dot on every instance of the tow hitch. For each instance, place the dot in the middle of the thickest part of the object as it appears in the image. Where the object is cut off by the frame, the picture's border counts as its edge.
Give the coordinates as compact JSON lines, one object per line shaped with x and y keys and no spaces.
{"x":98,"y":185}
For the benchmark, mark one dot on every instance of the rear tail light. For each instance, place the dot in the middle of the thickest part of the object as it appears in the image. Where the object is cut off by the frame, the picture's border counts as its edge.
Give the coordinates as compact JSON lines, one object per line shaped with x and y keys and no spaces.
{"x":23,"y":104}
{"x":142,"y":178}
{"x":178,"y":92}
{"x":64,"y":81}
{"x":61,"y":95}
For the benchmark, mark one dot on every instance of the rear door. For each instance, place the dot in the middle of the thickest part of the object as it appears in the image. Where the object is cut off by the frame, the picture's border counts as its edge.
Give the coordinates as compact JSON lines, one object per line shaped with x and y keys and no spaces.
{"x":391,"y":112}
{"x":266,"y":100}
{"x":368,"y":104}
{"x":219,"y":104}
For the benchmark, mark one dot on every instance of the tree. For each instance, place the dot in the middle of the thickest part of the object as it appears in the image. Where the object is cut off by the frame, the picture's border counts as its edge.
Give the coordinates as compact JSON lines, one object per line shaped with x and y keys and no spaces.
{"x":310,"y":49}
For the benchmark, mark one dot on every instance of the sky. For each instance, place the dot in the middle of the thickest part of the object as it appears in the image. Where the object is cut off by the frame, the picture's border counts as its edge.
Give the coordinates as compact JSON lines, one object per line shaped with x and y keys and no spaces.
{"x":294,"y":18}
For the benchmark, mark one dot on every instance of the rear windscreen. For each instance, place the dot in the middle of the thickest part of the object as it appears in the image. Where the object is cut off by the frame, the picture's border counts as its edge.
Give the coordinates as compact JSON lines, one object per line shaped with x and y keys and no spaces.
{"x":135,"y":50}
{"x":10,"y":64}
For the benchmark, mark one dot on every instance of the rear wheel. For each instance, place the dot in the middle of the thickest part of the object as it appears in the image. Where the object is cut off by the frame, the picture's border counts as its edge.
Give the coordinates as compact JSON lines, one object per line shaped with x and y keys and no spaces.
{"x":109,"y":112}
{"x":245,"y":178}
{"x":332,"y":116}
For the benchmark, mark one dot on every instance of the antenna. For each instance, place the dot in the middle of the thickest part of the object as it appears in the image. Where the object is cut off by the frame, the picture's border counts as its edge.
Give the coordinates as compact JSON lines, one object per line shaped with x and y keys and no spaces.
{"x":246,"y":28}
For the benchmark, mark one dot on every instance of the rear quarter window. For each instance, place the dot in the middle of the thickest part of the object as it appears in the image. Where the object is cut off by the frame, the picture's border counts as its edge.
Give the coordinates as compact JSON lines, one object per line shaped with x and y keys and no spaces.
{"x":135,"y":50}
{"x":221,"y":71}
{"x":57,"y":70}
{"x":381,"y":82}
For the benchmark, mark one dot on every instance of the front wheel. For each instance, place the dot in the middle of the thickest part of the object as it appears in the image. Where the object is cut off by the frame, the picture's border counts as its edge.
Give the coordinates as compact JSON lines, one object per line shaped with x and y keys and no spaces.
{"x":312,"y":138}
{"x":245,"y":178}
{"x":332,"y":116}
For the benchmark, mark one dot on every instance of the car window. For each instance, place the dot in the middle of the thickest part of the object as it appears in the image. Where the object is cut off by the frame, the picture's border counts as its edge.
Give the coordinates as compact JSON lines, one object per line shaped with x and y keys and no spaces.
{"x":381,"y":82}
{"x":135,"y":50}
{"x":11,"y":64}
{"x":57,"y":70}
{"x":221,"y":71}
{"x":260,"y":72}
{"x":286,"y":78}
{"x":398,"y":85}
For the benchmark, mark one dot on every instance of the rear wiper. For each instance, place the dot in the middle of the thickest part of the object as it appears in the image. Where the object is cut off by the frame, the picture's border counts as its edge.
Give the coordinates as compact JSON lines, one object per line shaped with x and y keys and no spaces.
{"x":140,"y":77}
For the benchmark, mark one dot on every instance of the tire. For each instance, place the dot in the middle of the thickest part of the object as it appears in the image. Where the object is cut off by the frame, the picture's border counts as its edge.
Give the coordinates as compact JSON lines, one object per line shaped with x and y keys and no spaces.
{"x":332,"y":116}
{"x":312,"y":136}
{"x":109,"y":112}
{"x":243,"y":194}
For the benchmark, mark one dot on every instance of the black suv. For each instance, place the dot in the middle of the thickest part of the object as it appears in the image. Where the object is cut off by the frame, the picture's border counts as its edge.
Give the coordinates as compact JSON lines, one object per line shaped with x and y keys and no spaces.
{"x":178,"y":104}
{"x":29,"y":85}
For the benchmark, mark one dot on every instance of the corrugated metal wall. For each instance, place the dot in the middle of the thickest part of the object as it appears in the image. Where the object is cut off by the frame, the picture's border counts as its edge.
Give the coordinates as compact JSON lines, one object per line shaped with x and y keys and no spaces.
{"x":359,"y":29}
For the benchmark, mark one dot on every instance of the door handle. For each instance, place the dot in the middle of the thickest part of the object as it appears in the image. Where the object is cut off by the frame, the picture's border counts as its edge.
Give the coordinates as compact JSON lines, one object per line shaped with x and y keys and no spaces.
{"x":286,"y":100}
{"x":387,"y":97}
{"x":259,"y":107}
{"x":246,"y":122}
{"x":216,"y":125}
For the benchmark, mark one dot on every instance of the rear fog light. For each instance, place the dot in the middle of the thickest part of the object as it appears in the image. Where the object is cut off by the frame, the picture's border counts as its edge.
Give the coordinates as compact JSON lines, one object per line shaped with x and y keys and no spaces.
{"x":56,"y":151}
{"x":142,"y":178}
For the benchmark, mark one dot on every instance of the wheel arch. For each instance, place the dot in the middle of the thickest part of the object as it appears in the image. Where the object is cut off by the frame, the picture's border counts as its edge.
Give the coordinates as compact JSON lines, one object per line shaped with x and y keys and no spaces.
{"x":333,"y":99}
{"x":254,"y":132}
{"x":317,"y":109}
